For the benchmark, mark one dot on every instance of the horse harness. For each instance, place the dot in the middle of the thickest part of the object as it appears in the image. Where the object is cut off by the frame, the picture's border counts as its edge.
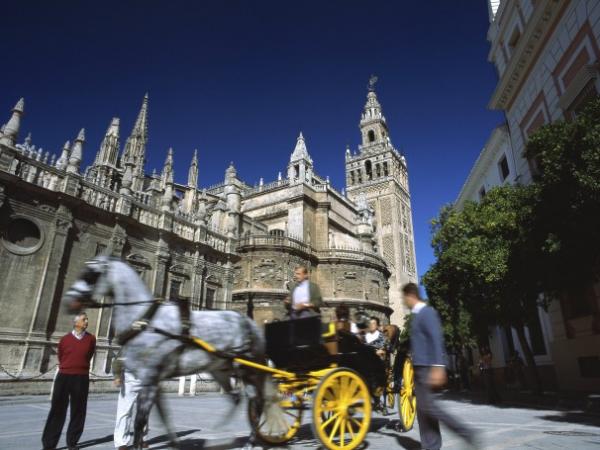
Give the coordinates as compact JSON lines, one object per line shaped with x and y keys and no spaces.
{"x":143,"y":323}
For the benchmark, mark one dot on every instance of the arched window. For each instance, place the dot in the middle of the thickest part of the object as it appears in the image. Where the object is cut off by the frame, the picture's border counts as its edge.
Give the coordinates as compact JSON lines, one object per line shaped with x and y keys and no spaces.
{"x":378,"y":170}
{"x":385,"y":169}
{"x":359,"y":173}
{"x":371,"y":136}
{"x":369,"y":170}
{"x":352,"y":180}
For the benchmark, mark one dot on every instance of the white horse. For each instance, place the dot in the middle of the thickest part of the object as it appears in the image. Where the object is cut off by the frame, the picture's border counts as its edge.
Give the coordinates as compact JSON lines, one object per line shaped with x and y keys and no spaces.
{"x":156,"y":353}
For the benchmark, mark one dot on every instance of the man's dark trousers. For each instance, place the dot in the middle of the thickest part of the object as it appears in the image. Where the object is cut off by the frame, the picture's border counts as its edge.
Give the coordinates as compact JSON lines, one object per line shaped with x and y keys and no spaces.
{"x":73,"y":388}
{"x":430,"y":414}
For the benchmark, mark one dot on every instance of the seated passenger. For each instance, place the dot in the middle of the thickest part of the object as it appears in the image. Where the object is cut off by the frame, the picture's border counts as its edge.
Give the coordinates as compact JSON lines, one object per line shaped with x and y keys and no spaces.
{"x":354,"y":354}
{"x":375,"y":338}
{"x":343,"y":322}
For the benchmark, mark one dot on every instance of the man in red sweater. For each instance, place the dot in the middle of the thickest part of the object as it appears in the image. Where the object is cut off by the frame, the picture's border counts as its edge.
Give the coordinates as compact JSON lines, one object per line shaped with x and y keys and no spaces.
{"x":75,"y":350}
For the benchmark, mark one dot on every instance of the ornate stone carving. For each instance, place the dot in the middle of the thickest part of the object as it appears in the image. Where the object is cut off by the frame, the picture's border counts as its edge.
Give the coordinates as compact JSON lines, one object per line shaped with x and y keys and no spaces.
{"x":267,"y":270}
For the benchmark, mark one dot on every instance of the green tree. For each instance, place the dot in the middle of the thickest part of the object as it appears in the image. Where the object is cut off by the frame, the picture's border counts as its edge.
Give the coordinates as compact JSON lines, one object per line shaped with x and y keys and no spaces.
{"x":566,"y":217}
{"x":479,"y":278}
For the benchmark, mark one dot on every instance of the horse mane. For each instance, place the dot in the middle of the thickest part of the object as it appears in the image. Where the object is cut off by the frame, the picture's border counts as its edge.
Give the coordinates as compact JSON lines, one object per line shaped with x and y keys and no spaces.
{"x":131,"y":283}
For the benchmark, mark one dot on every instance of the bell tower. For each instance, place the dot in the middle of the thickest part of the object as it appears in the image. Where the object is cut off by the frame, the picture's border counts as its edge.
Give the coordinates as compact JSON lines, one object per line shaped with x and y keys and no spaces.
{"x":379,"y":172}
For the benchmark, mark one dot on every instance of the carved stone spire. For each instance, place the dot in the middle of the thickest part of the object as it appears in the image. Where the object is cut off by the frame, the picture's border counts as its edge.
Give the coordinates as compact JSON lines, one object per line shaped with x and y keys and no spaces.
{"x":230,"y":173}
{"x":167,"y":182}
{"x":300,"y":151}
{"x":63,"y":160}
{"x":300,"y":167}
{"x":136,"y":145}
{"x":10,"y":131}
{"x":141,"y":123}
{"x":76,"y":153}
{"x":109,"y":148}
{"x":193,"y":172}
{"x":167,"y":173}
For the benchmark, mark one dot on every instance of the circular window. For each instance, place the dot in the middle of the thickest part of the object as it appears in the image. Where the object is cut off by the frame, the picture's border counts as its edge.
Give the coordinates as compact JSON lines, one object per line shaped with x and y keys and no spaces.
{"x":22,"y":236}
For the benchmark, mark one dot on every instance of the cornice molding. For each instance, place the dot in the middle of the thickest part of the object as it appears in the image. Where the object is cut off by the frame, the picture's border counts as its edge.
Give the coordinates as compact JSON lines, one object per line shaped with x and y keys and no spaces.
{"x":526,"y":54}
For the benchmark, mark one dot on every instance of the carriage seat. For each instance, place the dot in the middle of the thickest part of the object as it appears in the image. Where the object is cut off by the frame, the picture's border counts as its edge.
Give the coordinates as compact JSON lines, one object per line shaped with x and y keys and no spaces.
{"x":297,"y":344}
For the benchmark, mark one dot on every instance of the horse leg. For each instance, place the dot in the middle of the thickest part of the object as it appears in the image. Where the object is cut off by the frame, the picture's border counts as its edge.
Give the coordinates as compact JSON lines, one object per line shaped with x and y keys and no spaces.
{"x":223,"y":379}
{"x":145,"y":400}
{"x":258,"y":380}
{"x":164,"y":416}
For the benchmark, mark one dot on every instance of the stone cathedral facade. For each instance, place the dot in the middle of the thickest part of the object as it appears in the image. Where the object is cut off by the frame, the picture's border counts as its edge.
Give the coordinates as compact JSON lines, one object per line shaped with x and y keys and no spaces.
{"x":231,"y":245}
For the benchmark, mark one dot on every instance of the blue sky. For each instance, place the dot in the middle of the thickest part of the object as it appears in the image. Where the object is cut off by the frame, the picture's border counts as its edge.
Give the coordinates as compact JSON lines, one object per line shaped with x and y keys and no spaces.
{"x":239,"y":79}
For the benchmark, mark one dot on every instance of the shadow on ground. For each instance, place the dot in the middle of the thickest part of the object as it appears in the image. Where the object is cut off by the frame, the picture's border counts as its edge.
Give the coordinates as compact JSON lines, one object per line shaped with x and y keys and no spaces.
{"x":304,"y":438}
{"x":515,"y":399}
{"x":579,"y":418}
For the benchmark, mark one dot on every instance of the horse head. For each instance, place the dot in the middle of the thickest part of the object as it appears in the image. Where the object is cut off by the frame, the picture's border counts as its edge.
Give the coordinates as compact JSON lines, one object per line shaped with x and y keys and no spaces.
{"x":91,"y":284}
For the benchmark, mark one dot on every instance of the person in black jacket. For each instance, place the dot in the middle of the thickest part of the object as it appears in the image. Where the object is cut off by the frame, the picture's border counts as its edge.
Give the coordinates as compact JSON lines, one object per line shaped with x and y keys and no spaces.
{"x":429,"y":360}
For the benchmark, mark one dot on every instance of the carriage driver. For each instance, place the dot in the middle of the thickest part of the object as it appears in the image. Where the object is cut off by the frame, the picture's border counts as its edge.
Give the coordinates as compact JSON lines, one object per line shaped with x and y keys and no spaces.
{"x":305,"y":298}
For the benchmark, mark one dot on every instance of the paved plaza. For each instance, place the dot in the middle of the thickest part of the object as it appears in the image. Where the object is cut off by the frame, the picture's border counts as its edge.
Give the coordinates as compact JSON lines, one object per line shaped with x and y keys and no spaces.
{"x":197,"y":420}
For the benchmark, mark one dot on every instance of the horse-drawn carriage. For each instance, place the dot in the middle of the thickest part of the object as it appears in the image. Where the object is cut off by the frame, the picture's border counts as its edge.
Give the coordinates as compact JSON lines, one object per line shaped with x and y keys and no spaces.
{"x":340,"y":375}
{"x":332,"y":370}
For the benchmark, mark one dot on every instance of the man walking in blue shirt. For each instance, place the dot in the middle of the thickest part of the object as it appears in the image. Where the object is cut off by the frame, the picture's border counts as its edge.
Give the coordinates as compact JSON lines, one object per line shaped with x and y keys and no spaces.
{"x":429,"y":360}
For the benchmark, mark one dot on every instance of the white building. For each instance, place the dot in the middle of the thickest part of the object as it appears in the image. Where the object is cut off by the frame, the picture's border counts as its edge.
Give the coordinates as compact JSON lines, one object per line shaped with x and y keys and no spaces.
{"x":547,"y":54}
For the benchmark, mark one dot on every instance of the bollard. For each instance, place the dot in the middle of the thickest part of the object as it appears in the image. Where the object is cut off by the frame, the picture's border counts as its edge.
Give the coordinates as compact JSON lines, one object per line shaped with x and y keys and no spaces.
{"x":193,"y":383}
{"x":181,"y":386}
{"x":193,"y":380}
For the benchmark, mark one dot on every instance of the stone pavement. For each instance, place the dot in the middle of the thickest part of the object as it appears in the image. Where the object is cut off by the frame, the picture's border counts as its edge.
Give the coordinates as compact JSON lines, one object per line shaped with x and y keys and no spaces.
{"x":197,"y":419}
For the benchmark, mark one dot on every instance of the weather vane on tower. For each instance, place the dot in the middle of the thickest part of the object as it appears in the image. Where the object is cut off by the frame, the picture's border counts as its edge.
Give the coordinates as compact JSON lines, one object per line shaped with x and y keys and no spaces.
{"x":372,"y":82}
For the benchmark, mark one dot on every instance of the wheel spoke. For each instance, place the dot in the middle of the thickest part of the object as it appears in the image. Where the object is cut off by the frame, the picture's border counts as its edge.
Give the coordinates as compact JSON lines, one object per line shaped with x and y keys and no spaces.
{"x":342,"y":432}
{"x":354,"y":388}
{"x":349,"y":424}
{"x":329,"y":394}
{"x":336,"y":425}
{"x":329,"y":420}
{"x":356,"y":422}
{"x":358,"y":403}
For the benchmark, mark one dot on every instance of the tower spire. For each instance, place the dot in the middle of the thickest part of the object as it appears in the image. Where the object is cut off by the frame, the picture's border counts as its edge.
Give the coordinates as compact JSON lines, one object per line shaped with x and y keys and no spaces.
{"x":373,"y":125}
{"x":10,"y":130}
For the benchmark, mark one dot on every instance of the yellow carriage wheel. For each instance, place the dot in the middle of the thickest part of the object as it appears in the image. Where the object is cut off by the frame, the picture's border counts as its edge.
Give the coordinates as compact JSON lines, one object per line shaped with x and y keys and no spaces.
{"x":341,"y":412}
{"x":279,"y":422}
{"x":407,"y":406}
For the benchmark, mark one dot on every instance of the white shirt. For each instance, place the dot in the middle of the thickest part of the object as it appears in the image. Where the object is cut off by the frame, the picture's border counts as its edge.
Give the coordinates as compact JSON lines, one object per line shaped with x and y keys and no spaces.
{"x":418,"y":307}
{"x":370,"y":337}
{"x":78,"y":336}
{"x":301,"y":293}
